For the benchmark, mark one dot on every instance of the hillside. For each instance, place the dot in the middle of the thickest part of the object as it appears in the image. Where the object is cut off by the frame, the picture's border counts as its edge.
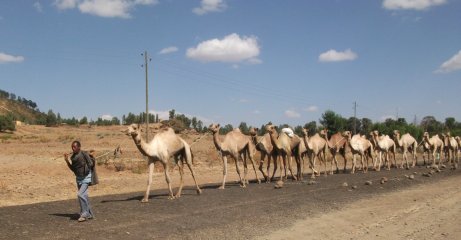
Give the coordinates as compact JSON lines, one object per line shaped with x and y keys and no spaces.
{"x":19,"y":111}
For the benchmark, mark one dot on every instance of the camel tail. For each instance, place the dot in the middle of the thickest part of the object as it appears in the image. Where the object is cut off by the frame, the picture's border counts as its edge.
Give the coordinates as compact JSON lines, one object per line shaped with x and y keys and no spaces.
{"x":188,"y":153}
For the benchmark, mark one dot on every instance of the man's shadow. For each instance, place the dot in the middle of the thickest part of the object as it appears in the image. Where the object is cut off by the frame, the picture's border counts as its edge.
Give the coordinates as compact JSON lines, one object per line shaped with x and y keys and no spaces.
{"x":71,"y":216}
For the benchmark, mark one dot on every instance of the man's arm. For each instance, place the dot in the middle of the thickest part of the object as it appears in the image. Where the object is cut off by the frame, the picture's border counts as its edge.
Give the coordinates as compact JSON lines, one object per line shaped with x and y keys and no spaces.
{"x":66,"y":158}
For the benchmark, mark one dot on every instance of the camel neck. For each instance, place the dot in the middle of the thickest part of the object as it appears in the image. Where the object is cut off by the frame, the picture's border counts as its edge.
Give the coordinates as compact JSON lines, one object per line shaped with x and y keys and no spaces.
{"x":275,"y":141}
{"x":216,"y":141}
{"x":140,"y":144}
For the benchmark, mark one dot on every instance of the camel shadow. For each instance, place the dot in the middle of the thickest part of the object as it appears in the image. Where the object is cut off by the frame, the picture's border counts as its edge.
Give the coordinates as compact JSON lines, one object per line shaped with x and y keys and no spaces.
{"x":71,"y":216}
{"x":139,"y":198}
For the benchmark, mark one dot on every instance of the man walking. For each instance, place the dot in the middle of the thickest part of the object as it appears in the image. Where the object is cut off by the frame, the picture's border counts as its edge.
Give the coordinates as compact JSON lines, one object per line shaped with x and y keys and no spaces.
{"x":81,"y":166}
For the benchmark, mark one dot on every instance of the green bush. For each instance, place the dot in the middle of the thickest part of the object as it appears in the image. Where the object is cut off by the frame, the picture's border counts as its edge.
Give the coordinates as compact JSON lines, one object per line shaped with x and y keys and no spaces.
{"x":7,"y":123}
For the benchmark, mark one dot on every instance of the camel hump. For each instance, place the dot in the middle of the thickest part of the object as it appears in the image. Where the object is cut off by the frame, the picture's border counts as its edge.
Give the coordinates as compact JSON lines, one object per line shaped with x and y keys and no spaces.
{"x":288,"y":131}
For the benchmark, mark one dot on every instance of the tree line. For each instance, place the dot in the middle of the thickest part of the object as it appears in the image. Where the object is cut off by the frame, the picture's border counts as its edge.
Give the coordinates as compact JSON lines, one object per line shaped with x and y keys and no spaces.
{"x":330,"y":120}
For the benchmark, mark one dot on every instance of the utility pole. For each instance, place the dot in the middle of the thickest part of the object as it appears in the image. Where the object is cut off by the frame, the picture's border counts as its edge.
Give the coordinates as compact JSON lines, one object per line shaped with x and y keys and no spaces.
{"x":147,"y":94}
{"x":355,"y":118}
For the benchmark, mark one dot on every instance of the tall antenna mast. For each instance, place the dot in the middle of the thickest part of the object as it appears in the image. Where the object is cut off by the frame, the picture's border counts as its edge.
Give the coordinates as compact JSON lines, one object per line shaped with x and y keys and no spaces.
{"x":147,"y":93}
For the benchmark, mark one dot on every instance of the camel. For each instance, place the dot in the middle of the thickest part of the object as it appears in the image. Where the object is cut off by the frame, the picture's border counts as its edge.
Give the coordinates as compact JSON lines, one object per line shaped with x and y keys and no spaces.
{"x":426,"y":151}
{"x":161,"y":148}
{"x":406,"y":143}
{"x":336,"y":144}
{"x":451,"y":149}
{"x":236,"y":145}
{"x":284,"y":146}
{"x":316,"y":146}
{"x":436,"y":146}
{"x":264,"y":146}
{"x":384,"y":145}
{"x":359,"y":146}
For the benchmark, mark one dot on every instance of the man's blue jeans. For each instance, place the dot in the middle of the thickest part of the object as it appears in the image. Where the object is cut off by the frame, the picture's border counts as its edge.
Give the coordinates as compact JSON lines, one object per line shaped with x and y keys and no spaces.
{"x":85,"y":208}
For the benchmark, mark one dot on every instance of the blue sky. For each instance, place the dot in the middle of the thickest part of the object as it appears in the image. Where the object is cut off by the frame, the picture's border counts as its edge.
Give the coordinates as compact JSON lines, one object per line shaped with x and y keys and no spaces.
{"x":232,"y":61}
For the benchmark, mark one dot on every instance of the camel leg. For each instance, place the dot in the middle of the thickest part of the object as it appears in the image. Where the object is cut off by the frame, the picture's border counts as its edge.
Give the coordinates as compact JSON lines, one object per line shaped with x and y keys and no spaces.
{"x":276,"y":161}
{"x":181,"y":179}
{"x":312,"y":165}
{"x":242,"y":181}
{"x":301,"y":167}
{"x":261,"y":163}
{"x":406,"y":162}
{"x":149,"y":181}
{"x":189,"y":165}
{"x":395,"y":160}
{"x":335,"y":160}
{"x":353,"y":164}
{"x":245,"y":168}
{"x":282,"y":167}
{"x":224,"y":173}
{"x":345,"y":160}
{"x":365,"y":167}
{"x":254,"y":167}
{"x":290,"y":162}
{"x":322,"y":159}
{"x":168,"y":180}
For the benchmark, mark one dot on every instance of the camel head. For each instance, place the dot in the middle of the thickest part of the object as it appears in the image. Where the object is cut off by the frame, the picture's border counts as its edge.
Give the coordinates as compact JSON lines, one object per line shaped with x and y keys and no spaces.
{"x":253,"y":131}
{"x":271,"y":128}
{"x":426,"y":135}
{"x":347,"y":134}
{"x":396,"y":133}
{"x":374,"y":134}
{"x":214,"y":128}
{"x":324,"y":132}
{"x":133,"y":130}
{"x":306,"y":132}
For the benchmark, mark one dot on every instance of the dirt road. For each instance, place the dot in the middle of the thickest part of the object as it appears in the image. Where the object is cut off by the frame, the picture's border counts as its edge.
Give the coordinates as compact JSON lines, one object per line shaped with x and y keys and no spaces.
{"x":401,"y":208}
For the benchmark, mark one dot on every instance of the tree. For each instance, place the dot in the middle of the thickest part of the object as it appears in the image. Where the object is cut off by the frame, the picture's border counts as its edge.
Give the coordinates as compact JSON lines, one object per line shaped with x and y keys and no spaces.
{"x":450,"y":123}
{"x":226,"y":129}
{"x":354,"y":123}
{"x":84,"y":120}
{"x":171,"y":114}
{"x":244,"y":127}
{"x":194,"y":123}
{"x":115,"y":121}
{"x":333,"y":122}
{"x":51,"y":119}
{"x":367,"y":126}
{"x":311,"y":128}
{"x":7,"y":123}
{"x":431,"y":125}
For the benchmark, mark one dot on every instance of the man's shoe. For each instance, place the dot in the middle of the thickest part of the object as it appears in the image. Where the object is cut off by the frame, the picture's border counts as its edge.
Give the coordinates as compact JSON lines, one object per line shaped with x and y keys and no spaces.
{"x":81,"y":219}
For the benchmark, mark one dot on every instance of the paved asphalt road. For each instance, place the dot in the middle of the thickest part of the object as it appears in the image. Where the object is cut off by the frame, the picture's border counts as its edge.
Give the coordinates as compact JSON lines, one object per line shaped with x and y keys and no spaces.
{"x":233,"y":213}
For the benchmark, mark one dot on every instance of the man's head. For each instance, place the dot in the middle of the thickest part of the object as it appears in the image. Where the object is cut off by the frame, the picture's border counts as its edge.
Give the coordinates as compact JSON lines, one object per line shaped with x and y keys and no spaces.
{"x":76,"y":146}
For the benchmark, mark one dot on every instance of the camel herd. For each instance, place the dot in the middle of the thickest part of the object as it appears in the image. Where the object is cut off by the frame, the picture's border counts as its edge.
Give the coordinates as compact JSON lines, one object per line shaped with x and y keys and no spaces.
{"x":282,"y":147}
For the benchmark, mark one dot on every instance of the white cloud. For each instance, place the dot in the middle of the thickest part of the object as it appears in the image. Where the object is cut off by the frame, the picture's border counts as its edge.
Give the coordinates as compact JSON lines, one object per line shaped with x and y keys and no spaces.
{"x":335,"y":56}
{"x":6,"y":58}
{"x":38,"y":6}
{"x":168,"y":50}
{"x":103,"y":8}
{"x":207,"y":6}
{"x":256,"y":112}
{"x":383,"y":118}
{"x":106,"y":117}
{"x":411,"y":4}
{"x":312,"y":108}
{"x":292,"y":114}
{"x":65,"y":4}
{"x":231,"y":48}
{"x":452,"y":64}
